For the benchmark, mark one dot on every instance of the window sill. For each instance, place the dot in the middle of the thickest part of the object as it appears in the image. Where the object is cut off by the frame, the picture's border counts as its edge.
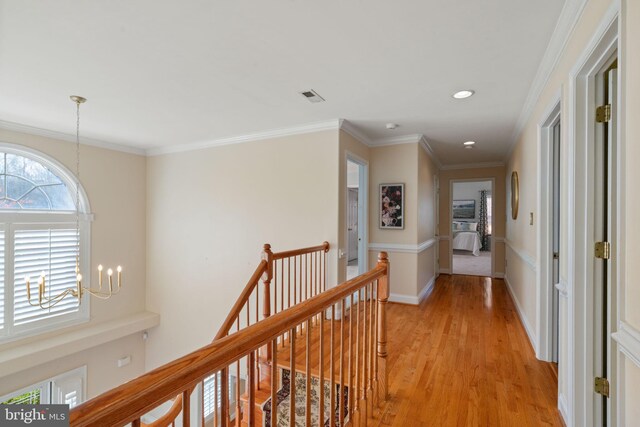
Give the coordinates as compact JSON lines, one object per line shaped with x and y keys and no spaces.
{"x":36,"y":353}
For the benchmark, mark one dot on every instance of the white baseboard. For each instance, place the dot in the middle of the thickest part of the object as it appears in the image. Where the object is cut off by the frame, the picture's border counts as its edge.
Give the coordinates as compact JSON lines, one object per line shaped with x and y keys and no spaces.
{"x":523,"y":319}
{"x":562,"y":407}
{"x":424,"y":293}
{"x":497,"y":275}
{"x":444,"y":271}
{"x":413,"y":300}
{"x":404,"y":299}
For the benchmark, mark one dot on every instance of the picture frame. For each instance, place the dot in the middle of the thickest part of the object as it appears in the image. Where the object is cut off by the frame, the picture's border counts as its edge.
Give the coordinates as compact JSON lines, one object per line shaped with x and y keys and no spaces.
{"x":464,"y":209}
{"x":391,"y":203}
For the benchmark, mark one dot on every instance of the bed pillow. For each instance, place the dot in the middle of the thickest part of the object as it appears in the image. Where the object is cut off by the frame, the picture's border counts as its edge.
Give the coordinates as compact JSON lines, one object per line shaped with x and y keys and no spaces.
{"x":468,"y":226}
{"x":457,"y":225}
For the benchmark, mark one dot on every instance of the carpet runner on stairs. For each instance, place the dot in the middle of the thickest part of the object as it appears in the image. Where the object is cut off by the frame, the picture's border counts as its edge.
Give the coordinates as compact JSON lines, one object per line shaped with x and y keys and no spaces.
{"x":284,"y":401}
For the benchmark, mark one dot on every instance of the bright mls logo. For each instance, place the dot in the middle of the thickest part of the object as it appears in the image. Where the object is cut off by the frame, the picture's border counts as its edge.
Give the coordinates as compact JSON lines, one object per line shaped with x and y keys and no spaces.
{"x":34,"y":415}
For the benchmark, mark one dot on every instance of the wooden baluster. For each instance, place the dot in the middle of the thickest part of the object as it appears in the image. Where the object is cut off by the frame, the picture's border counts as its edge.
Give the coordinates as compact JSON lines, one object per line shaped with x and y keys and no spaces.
{"x":306,"y":276}
{"x":300,"y":281}
{"x":342,"y":353}
{"x":295,"y":282}
{"x":186,"y":408}
{"x":292,"y":382}
{"x":383,"y":297}
{"x":281,"y":284}
{"x":224,"y":393}
{"x":376,"y":394}
{"x":215,"y":399}
{"x":274,"y":384}
{"x":317,"y":279}
{"x":356,"y":388}
{"x":251,"y":387}
{"x":324,"y":280}
{"x":238,"y":411}
{"x":202,"y":404}
{"x":332,"y":372}
{"x":372,"y":348}
{"x":266,"y":280}
{"x":350,"y":367}
{"x":289,"y":281}
{"x":321,"y":375}
{"x":135,"y":423}
{"x":308,"y":375}
{"x":274,"y":309}
{"x":365,"y":353}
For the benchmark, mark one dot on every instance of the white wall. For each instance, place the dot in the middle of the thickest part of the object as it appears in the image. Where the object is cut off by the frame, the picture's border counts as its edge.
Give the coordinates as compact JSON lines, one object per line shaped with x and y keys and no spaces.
{"x":208,"y":214}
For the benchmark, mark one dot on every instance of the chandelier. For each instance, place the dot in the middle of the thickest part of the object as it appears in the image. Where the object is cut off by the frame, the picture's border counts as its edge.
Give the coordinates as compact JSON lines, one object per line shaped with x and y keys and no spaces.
{"x":104,"y":291}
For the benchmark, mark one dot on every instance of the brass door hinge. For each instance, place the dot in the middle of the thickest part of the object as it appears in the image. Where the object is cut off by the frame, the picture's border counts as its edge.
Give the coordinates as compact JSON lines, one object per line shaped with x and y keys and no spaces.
{"x":603,"y":113}
{"x":601,"y":386}
{"x":603,"y":250}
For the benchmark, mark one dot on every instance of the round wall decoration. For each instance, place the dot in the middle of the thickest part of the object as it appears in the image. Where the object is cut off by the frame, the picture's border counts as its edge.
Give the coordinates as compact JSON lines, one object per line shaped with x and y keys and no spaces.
{"x":515,"y":194}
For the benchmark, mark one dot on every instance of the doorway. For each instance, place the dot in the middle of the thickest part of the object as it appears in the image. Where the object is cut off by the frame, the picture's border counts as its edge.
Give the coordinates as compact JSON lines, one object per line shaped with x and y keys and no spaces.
{"x":594,"y":231}
{"x":471,"y":227}
{"x":549,"y":231}
{"x":356,"y":217}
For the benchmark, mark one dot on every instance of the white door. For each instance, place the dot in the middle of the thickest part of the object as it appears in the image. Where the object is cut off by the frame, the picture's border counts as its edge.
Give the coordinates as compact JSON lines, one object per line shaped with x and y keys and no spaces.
{"x":352,"y":224}
{"x":555,"y":262}
{"x":605,"y":268}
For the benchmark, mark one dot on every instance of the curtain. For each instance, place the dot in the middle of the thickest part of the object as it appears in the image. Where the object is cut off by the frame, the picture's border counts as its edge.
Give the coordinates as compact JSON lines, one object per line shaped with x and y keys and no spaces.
{"x":483,"y":224}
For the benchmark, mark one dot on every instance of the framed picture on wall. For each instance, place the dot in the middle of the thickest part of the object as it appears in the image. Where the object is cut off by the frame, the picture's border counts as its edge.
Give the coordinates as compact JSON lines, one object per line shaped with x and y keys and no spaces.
{"x":464,"y":209}
{"x":391,"y":206}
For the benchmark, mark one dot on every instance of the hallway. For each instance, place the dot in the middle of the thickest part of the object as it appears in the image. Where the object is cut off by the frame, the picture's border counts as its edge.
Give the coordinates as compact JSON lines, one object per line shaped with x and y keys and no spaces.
{"x":466,"y":360}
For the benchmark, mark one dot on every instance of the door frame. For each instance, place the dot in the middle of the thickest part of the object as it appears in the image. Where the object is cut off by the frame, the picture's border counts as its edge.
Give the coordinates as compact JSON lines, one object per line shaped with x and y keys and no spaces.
{"x":363,"y":211}
{"x":493,"y":210}
{"x":580,"y":143}
{"x":544,"y":268}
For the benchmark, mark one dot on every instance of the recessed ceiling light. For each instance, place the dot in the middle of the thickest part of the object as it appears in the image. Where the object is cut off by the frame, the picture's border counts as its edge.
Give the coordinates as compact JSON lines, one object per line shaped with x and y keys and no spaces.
{"x":469,"y":143}
{"x":468,"y":147}
{"x":462,"y":94}
{"x":392,"y":126}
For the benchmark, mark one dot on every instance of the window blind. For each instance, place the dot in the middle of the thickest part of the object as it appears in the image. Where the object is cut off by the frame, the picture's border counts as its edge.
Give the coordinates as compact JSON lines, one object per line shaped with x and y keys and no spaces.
{"x":52,"y":251}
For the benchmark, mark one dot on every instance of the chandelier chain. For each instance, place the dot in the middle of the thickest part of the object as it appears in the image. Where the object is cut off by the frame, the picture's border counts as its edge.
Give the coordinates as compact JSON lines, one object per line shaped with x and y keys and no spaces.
{"x":77,"y":187}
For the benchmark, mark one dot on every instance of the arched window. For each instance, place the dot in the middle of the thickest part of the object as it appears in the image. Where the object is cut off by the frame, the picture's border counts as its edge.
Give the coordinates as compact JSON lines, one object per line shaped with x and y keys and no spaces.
{"x":38,"y":234}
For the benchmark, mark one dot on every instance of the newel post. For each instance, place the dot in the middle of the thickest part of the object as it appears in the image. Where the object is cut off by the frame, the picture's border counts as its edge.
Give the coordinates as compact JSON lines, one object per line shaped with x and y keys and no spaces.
{"x":267,"y":255}
{"x":383,"y":297}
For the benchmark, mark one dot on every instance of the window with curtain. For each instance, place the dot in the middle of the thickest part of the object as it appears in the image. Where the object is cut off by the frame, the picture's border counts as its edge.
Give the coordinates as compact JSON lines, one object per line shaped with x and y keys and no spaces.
{"x":37,"y":235}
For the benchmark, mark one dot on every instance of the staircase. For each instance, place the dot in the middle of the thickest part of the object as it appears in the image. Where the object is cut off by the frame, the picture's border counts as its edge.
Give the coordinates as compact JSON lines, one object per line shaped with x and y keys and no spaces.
{"x":293,"y":352}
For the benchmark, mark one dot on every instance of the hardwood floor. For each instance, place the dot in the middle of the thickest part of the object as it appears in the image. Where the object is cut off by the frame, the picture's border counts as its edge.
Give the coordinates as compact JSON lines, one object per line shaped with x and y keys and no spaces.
{"x":462,"y":358}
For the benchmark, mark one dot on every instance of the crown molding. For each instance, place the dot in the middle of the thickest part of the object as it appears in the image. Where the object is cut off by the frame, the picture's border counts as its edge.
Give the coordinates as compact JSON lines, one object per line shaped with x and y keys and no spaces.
{"x":61,"y":136}
{"x":473,"y":166}
{"x":350,"y":128}
{"x":268,"y":134}
{"x":569,"y":17}
{"x":398,"y":140}
{"x":427,"y":148}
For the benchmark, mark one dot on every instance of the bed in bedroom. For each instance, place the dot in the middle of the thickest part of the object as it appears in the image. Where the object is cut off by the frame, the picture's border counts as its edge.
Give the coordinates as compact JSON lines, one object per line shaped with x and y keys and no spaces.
{"x":466,"y":238}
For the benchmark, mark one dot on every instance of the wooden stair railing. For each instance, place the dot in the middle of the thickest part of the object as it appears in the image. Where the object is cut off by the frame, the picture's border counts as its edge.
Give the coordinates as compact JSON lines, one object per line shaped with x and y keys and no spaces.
{"x":354,"y":313}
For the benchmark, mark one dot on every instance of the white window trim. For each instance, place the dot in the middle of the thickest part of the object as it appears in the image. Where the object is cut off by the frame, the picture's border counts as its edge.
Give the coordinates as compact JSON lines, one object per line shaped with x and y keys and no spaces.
{"x":10,"y":332}
{"x":49,"y":388}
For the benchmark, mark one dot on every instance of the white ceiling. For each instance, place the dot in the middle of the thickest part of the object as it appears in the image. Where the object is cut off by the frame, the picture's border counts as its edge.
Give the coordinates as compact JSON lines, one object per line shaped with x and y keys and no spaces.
{"x":166,"y":73}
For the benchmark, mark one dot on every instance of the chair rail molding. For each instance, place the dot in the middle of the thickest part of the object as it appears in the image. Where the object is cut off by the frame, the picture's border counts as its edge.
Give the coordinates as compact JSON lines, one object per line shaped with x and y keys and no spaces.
{"x":628,"y":338}
{"x":526,"y":258}
{"x":403,"y":248}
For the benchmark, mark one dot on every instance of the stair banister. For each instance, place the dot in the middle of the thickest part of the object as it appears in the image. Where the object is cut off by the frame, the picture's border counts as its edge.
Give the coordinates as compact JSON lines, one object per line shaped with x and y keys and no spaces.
{"x":128,"y":402}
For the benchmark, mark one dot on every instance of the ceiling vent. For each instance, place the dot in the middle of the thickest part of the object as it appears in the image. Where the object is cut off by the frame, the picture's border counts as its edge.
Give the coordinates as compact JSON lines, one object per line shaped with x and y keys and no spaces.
{"x":312,"y":96}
